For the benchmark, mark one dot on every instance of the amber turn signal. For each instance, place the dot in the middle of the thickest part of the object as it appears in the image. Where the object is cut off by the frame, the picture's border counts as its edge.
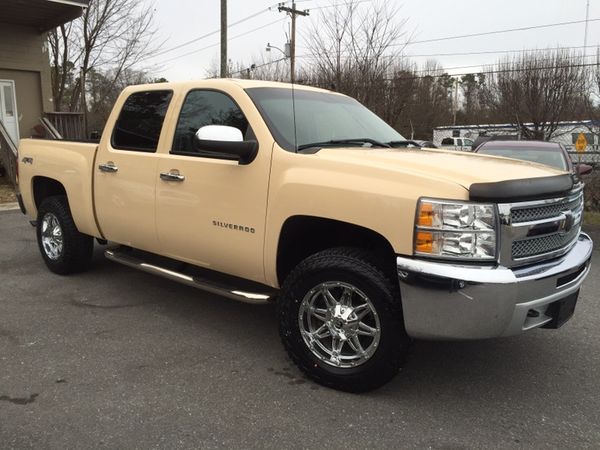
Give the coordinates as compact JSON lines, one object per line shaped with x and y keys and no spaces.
{"x":425,"y":215}
{"x":424,"y":242}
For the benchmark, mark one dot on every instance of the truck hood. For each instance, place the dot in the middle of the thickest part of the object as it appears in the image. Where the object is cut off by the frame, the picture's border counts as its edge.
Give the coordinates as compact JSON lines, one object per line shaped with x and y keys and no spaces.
{"x":462,"y":168}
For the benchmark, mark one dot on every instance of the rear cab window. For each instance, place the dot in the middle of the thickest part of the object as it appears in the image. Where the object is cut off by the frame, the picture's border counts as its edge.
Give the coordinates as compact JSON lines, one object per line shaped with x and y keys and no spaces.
{"x":140,"y":121}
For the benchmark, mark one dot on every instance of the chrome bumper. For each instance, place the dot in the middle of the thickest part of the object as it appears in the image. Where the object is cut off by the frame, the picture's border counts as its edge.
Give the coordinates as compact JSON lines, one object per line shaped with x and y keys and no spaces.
{"x":448,"y":301}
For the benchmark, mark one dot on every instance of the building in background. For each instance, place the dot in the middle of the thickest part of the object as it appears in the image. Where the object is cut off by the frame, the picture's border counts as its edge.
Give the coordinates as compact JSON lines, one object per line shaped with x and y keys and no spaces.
{"x":25,"y":84}
{"x":566,"y":134}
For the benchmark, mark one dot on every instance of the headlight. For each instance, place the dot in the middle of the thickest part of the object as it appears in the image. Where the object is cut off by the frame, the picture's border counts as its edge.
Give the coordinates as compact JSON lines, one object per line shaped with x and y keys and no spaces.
{"x":452,"y":229}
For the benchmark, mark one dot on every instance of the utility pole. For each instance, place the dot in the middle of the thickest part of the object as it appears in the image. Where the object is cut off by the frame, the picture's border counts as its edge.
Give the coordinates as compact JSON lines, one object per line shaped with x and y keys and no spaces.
{"x":587,"y":19}
{"x":293,"y":12}
{"x":224,"y":39}
{"x":455,"y":100}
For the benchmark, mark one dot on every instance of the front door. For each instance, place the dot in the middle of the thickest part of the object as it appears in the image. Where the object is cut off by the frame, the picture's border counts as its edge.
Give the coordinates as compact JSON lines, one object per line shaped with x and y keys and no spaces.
{"x":8,"y":109}
{"x":213,"y":214}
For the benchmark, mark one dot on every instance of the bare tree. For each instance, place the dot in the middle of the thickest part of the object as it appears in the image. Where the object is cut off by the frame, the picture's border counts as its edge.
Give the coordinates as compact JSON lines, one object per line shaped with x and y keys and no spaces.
{"x":593,"y":101}
{"x":354,"y":47}
{"x":111,"y":36}
{"x":537,"y":90}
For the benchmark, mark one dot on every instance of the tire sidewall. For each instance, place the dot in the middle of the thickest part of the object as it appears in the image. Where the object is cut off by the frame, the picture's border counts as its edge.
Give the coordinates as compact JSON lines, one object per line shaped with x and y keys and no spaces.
{"x":392,"y":336}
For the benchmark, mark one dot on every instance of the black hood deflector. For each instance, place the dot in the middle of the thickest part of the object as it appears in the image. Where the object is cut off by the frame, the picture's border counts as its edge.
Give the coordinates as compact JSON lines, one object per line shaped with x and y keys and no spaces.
{"x":521,"y":190}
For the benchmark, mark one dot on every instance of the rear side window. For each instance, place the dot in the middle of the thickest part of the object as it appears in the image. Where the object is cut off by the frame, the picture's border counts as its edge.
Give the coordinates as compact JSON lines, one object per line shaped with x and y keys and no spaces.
{"x":140,"y":121}
{"x":201,"y":108}
{"x":447,"y":141}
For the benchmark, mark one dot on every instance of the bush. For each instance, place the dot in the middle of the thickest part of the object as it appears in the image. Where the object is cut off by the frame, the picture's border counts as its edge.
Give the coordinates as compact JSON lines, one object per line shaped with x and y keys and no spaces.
{"x":592,"y":190}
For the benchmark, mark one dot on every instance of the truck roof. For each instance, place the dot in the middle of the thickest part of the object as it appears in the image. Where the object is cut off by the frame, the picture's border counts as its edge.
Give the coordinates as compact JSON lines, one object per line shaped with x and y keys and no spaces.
{"x":222,"y":82}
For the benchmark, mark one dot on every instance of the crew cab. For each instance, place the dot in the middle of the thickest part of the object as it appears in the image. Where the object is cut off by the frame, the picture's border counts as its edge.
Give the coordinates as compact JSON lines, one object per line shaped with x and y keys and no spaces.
{"x":261,"y":191}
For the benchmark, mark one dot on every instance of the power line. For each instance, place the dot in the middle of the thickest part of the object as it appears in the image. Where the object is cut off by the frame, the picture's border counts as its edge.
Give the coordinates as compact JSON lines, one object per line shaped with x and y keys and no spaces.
{"x":477,"y":65}
{"x":339,"y":4}
{"x":212,"y":33}
{"x":216,"y":44}
{"x":268,"y":63}
{"x":488,"y":52}
{"x":487,"y":33}
{"x":521,"y":69}
{"x":484,"y":33}
{"x":494,"y":52}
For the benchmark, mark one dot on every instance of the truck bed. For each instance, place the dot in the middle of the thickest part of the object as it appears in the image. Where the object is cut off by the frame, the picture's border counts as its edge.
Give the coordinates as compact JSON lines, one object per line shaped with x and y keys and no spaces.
{"x":71,"y":163}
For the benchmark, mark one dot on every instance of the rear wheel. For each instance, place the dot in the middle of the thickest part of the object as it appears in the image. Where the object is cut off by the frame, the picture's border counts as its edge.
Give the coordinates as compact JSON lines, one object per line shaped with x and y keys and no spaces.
{"x":64,"y":249}
{"x":341,"y":320}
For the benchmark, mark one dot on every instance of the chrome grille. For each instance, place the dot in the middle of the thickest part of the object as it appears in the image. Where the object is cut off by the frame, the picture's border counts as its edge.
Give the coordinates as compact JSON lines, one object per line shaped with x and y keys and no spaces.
{"x":520,"y":215}
{"x":543,"y":244}
{"x":541,"y":229}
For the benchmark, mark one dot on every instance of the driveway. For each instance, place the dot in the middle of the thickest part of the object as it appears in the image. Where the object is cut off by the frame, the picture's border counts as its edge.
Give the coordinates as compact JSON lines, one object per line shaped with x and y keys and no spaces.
{"x":115,"y":358}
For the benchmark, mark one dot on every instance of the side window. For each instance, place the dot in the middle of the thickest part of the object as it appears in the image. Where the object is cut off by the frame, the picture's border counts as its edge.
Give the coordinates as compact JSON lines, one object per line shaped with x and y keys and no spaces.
{"x":140,"y":121}
{"x":202,"y":108}
{"x":447,"y":141}
{"x":459,"y":142}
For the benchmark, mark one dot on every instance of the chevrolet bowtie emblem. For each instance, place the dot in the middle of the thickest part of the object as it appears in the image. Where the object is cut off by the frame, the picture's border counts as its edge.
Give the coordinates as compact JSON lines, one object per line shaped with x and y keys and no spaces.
{"x":566,"y":224}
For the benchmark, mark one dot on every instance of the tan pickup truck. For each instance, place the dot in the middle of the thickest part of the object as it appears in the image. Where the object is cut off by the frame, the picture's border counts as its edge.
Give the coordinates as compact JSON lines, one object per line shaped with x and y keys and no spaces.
{"x":262,"y":192}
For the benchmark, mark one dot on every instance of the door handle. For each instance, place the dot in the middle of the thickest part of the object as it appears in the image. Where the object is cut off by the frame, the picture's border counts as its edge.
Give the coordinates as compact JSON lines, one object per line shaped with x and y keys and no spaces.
{"x":108,"y":167}
{"x":171,"y":176}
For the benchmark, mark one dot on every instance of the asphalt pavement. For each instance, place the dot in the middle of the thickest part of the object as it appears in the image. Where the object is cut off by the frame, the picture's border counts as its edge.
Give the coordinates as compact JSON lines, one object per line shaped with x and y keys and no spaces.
{"x":115,"y":358}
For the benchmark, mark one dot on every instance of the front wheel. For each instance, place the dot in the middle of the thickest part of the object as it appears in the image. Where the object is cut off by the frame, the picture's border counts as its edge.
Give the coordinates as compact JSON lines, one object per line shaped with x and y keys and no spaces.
{"x":64,"y":249}
{"x":341,"y":321}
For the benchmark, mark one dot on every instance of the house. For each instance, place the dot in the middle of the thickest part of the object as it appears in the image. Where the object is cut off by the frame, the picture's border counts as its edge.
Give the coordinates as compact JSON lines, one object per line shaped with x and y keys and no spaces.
{"x":566,"y":134}
{"x":25,"y":84}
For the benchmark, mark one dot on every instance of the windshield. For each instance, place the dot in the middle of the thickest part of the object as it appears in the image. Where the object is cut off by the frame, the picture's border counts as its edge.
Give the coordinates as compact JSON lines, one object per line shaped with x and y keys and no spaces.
{"x":549,"y":157}
{"x":320,"y":118}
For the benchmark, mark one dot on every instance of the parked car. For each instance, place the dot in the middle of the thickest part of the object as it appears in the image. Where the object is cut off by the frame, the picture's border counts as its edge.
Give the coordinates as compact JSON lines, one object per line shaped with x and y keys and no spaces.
{"x":425,"y":144}
{"x":493,"y":137}
{"x":310,"y":200}
{"x":457,"y":143}
{"x":550,"y":153}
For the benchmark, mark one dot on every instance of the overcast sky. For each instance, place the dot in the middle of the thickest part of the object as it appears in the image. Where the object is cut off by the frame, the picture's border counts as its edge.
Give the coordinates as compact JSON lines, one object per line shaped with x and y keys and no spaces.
{"x":180,"y":21}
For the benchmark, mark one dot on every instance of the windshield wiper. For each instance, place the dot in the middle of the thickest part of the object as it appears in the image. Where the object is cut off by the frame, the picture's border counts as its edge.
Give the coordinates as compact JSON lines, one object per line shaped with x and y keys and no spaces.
{"x":358,"y":141}
{"x":405,"y":143}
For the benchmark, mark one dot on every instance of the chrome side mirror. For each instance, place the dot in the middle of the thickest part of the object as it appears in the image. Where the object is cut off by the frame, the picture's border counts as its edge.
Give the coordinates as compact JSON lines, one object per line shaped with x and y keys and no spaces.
{"x":219,"y":133}
{"x":220,"y":141}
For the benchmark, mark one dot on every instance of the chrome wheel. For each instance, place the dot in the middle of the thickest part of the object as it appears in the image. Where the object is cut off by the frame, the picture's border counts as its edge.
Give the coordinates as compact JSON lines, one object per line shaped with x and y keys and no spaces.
{"x":52,"y":238}
{"x":339,"y":324}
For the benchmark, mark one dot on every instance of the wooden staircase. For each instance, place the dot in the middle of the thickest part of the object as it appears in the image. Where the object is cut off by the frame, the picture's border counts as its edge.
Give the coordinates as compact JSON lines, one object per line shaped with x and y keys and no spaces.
{"x":8,"y":154}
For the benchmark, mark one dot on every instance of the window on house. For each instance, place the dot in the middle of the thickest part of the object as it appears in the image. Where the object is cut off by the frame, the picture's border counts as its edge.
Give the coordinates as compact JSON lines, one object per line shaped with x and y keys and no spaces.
{"x":9,"y":101}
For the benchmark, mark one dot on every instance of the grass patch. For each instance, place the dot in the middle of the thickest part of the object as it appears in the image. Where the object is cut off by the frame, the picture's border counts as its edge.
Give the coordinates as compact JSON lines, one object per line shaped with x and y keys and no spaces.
{"x":591,"y":218}
{"x":7,"y":192}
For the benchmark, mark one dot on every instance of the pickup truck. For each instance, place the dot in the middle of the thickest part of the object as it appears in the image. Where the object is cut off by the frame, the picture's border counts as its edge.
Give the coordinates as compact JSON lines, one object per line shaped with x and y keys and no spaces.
{"x":268,"y":192}
{"x":457,"y":143}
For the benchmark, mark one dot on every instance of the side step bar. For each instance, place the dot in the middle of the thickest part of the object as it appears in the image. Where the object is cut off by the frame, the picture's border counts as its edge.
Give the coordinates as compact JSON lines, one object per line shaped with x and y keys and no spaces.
{"x":204,"y":284}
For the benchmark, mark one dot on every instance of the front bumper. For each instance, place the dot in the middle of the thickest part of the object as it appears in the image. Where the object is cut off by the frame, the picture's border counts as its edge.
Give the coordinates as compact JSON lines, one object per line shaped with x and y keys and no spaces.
{"x":448,"y":301}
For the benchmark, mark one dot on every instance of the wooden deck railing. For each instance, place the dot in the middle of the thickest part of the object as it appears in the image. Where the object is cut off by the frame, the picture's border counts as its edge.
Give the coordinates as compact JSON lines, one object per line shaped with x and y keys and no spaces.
{"x":8,"y":154}
{"x":69,"y":124}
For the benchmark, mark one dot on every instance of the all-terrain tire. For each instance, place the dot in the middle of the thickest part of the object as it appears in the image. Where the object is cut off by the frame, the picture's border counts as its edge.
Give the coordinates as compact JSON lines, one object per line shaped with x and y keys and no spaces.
{"x":357,"y":268}
{"x":74,"y":254}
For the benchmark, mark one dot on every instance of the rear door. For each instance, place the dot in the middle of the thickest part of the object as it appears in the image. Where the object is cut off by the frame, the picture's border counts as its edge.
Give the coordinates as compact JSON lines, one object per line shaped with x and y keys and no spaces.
{"x":125,"y":170}
{"x":214,"y":215}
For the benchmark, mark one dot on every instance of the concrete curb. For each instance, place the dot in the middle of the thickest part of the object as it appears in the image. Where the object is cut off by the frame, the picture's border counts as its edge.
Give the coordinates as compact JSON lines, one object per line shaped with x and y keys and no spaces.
{"x":9,"y":206}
